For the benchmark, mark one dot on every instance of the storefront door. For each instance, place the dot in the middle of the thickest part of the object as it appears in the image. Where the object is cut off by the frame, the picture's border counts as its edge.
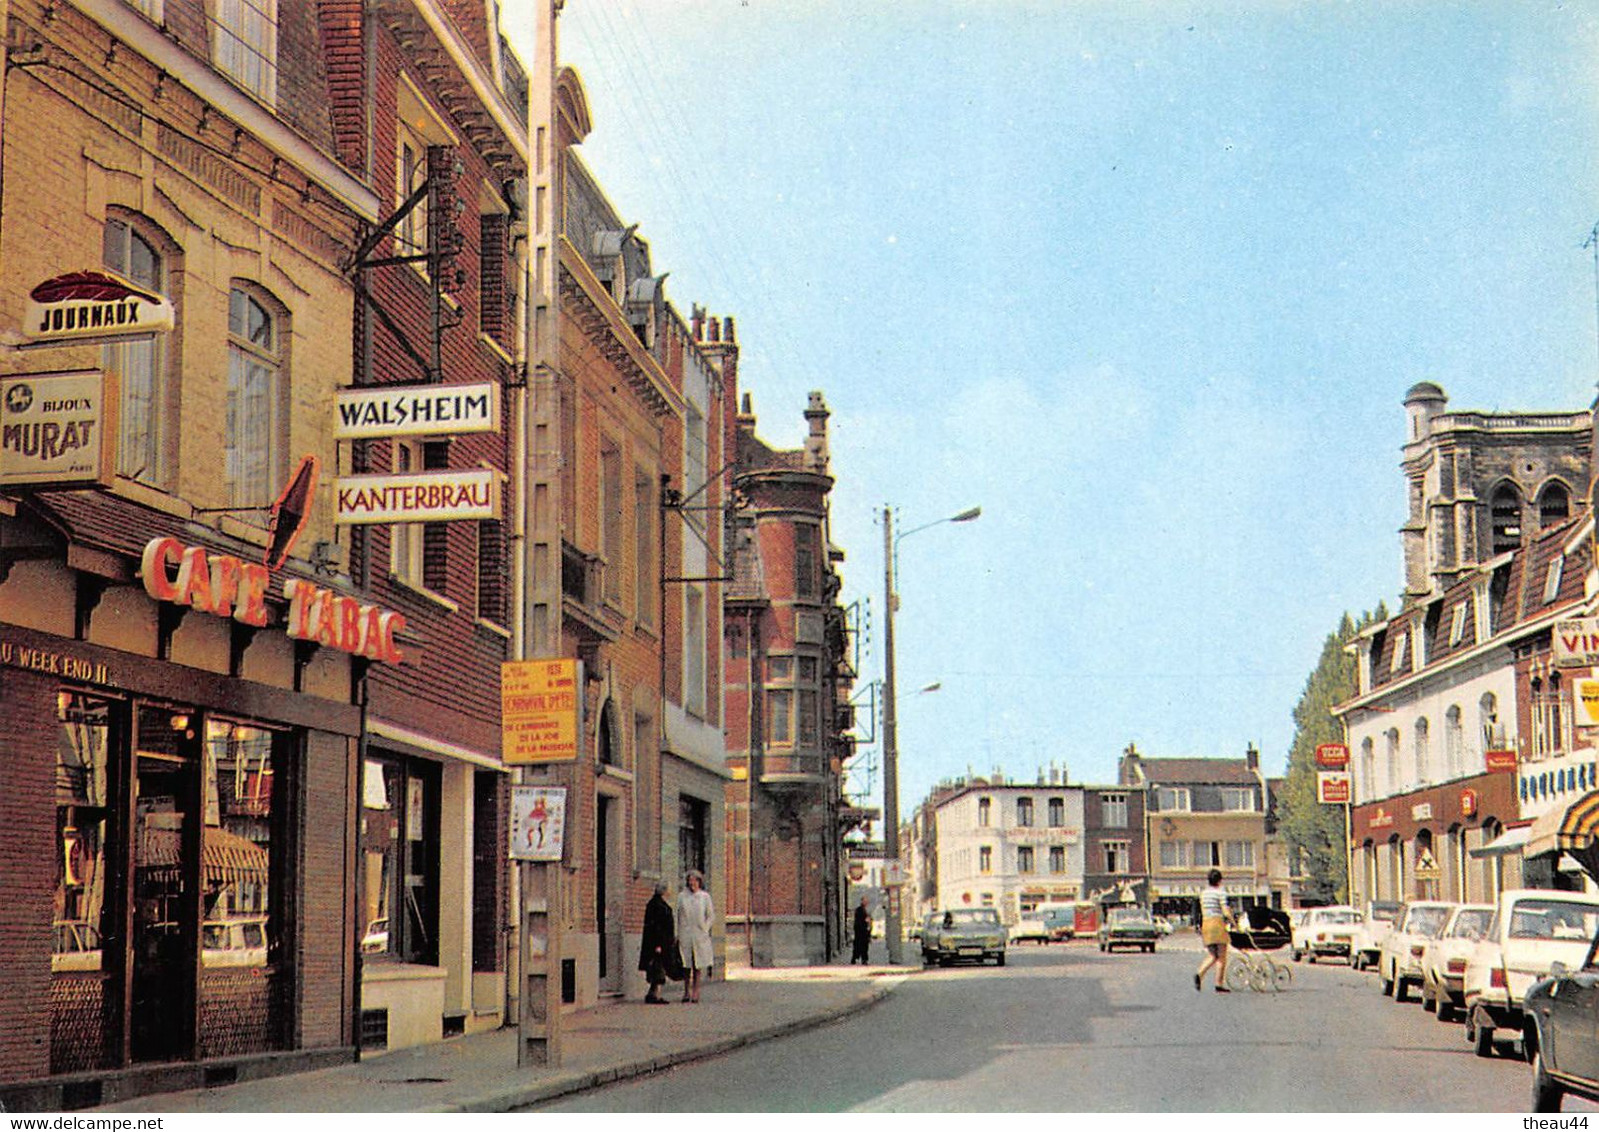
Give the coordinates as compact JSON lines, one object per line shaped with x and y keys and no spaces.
{"x":166,"y":847}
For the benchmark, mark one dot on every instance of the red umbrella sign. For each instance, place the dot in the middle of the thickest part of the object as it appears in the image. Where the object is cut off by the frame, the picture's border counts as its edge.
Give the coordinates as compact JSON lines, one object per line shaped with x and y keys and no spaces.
{"x":290,"y":513}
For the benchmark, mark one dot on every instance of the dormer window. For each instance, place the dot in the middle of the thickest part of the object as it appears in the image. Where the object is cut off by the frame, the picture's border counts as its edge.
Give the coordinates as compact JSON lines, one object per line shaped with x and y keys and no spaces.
{"x":1551,"y":582}
{"x":1457,"y":624}
{"x":1396,"y":661}
{"x":610,"y":265}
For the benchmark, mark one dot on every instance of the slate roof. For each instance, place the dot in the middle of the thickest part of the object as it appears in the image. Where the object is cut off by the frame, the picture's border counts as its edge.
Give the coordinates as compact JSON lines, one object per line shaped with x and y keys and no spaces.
{"x":1182,"y":772}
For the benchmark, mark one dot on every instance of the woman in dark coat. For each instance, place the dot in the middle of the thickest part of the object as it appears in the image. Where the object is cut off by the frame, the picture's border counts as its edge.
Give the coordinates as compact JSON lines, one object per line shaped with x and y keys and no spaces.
{"x":658,"y":944}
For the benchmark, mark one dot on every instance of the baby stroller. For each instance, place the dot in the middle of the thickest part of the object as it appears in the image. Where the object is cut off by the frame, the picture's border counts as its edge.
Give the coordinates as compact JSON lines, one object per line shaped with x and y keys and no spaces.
{"x":1261,"y":930}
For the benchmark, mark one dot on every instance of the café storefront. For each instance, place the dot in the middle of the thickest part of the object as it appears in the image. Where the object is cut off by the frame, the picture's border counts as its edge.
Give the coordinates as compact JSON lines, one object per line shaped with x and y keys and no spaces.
{"x":181,"y":757}
{"x":1421,"y":845}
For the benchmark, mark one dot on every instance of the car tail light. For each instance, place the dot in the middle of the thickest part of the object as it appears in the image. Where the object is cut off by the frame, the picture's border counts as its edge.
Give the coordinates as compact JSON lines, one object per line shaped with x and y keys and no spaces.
{"x":1496,"y":977}
{"x":1457,"y":966}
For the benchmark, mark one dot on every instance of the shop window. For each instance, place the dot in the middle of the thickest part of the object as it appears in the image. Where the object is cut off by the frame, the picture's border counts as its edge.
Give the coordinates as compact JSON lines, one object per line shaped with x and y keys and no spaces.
{"x":399,"y":840}
{"x":135,"y":249}
{"x":255,"y":441}
{"x":244,"y":45}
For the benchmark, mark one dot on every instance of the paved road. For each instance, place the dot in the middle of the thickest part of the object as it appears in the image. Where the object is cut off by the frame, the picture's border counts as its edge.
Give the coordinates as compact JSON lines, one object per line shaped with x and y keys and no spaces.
{"x":1066,"y":1028}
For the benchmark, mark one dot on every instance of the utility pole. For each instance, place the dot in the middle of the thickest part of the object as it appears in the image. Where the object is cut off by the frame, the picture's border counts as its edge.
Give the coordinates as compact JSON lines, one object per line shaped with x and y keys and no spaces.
{"x":891,"y":925}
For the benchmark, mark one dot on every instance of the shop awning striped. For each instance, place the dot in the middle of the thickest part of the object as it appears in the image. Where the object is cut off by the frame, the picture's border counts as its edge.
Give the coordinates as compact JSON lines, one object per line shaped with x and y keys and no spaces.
{"x":1574,"y":830}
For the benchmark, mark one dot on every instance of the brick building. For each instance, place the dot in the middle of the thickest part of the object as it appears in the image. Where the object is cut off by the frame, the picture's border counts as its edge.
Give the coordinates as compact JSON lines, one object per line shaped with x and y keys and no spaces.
{"x":625,"y":566}
{"x":430,"y":107}
{"x":178,"y":902}
{"x":787,"y":682}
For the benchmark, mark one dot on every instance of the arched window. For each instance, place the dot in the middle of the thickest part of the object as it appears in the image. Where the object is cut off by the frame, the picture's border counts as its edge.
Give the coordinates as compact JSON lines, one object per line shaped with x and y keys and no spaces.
{"x":1368,"y":769}
{"x":1554,"y":505}
{"x":1393,"y":783}
{"x":1504,"y":511}
{"x":140,"y":252}
{"x":256,"y":442}
{"x":1421,"y":751}
{"x":606,"y":740}
{"x":1454,"y":743}
{"x":1488,"y":730}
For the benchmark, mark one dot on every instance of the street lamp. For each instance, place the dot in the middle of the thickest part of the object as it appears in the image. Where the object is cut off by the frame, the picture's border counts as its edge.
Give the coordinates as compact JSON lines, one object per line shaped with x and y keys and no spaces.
{"x":891,"y":918}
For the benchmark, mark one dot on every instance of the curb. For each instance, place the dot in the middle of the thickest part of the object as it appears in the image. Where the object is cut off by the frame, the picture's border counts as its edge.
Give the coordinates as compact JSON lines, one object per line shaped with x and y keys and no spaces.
{"x":594,"y":1078}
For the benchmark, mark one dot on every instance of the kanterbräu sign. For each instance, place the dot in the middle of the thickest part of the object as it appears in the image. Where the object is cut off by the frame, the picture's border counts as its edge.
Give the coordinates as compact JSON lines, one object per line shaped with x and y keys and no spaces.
{"x":226,"y":586}
{"x":417,"y":497}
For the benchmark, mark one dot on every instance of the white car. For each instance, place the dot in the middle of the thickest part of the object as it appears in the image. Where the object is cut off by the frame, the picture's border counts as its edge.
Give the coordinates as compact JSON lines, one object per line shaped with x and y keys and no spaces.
{"x":1532,"y":929}
{"x":1378,"y":922}
{"x":1443,"y":967}
{"x":1399,"y":962}
{"x":1030,"y":927}
{"x":237,"y":942}
{"x":1326,"y":931}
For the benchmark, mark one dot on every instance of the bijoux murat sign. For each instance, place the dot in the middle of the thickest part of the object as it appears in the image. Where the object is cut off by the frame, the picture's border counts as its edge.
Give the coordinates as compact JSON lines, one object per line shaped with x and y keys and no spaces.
{"x":57,"y":429}
{"x":226,"y":586}
{"x":93,"y":305}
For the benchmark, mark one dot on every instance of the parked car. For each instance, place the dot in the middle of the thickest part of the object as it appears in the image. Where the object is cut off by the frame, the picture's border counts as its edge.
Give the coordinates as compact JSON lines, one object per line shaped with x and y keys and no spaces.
{"x":239,"y":941}
{"x":1325,"y":931}
{"x":1532,"y":930}
{"x":1443,"y":967}
{"x":77,"y":946}
{"x":1399,"y":960}
{"x":1128,"y":927}
{"x":1378,"y":922}
{"x":928,"y":936}
{"x":964,"y":933}
{"x":1562,"y":1011}
{"x":1062,"y":921}
{"x":1030,"y":928}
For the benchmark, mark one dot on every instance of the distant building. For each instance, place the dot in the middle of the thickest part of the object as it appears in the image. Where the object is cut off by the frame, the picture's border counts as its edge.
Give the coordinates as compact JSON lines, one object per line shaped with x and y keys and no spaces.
{"x":1204,"y":814}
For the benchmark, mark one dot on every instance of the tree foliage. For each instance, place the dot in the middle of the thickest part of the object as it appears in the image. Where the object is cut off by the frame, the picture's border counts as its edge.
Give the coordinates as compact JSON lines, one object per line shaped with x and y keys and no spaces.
{"x":1315,"y":832}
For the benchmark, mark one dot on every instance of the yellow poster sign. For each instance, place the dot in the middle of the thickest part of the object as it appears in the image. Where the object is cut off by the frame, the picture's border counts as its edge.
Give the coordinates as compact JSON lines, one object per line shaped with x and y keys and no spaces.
{"x":541,"y":708}
{"x":1585,"y":697}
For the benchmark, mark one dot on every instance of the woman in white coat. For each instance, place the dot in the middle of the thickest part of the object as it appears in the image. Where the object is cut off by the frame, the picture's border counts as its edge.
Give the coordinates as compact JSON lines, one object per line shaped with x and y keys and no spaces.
{"x":694,"y":931}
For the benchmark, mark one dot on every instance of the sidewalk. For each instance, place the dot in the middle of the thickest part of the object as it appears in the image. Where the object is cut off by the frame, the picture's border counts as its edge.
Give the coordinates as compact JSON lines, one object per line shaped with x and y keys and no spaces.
{"x":478,"y":1073}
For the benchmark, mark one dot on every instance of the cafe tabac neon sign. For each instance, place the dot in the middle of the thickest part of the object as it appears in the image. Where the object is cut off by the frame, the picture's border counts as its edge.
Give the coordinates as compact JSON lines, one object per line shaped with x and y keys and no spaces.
{"x":226,"y":586}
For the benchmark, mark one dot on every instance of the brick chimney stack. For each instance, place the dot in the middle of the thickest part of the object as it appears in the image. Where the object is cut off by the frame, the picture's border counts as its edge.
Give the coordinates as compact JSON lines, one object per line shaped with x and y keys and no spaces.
{"x":816,"y":453}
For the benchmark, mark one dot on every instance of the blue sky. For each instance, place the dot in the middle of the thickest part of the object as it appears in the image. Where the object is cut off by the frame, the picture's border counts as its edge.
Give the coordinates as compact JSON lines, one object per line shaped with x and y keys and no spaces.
{"x":1147,"y":282}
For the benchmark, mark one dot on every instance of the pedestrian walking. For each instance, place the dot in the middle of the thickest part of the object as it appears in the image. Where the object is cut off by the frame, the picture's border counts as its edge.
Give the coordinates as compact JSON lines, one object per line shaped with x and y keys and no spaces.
{"x":1215,"y":918}
{"x":694,"y":931}
{"x":863,"y":934}
{"x":658,"y":948}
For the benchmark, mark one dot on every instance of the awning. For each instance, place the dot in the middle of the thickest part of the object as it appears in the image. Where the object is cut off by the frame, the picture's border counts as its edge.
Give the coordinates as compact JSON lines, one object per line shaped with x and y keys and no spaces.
{"x":1574,"y":830}
{"x":1510,"y":841}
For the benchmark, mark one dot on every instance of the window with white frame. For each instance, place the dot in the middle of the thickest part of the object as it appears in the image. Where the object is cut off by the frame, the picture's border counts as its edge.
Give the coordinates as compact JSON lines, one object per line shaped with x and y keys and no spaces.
{"x":984,"y":810}
{"x":134,"y":249}
{"x":1176,"y":854}
{"x":1549,"y":717}
{"x":1457,"y":621}
{"x":1368,"y":768}
{"x":985,"y":858}
{"x":1488,"y":728}
{"x":1057,"y":812}
{"x":1113,"y":811}
{"x":244,"y":45}
{"x":1172,"y":798}
{"x":1207,"y":854}
{"x":1239,"y":855}
{"x":1421,"y":751}
{"x":694,"y":462}
{"x":1024,"y":858}
{"x":416,"y":127}
{"x":780,"y":717}
{"x":1391,"y":743}
{"x":1396,"y":662}
{"x":254,"y":444}
{"x":1057,"y":858}
{"x":1454,"y":742}
{"x":1024,"y":812}
{"x":1551,"y":582}
{"x":694,"y":652}
{"x":1118,"y":856}
{"x":1237,"y":800}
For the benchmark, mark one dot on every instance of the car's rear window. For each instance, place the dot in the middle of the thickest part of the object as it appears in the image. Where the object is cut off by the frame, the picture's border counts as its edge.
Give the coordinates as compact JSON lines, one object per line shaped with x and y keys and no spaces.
{"x":1553,"y":919}
{"x":1471,"y":924}
{"x":1338,"y":918}
{"x":972,"y":916}
{"x":1426,"y":921}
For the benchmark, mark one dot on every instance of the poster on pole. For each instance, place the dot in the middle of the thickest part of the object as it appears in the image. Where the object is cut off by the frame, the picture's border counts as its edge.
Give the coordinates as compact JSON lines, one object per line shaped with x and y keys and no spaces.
{"x":538,"y":822}
{"x":541,"y":711}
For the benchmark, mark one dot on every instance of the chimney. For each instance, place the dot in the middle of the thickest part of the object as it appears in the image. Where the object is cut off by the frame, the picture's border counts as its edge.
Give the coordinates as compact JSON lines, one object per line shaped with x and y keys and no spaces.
{"x":816,"y":414}
{"x":1252,"y":757}
{"x":697,"y":318}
